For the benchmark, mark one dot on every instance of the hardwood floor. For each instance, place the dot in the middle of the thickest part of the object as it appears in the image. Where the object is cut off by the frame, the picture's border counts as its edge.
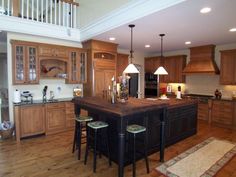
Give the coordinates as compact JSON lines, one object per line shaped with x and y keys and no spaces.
{"x":51,"y":156}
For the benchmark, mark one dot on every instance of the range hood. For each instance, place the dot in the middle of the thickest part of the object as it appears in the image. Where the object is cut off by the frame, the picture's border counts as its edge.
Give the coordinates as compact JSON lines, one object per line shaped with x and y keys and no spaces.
{"x":202,"y":61}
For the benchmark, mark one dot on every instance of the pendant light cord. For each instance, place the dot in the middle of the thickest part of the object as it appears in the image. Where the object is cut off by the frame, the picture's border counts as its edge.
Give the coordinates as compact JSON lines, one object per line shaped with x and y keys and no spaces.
{"x":161,"y":46}
{"x":131,"y":45}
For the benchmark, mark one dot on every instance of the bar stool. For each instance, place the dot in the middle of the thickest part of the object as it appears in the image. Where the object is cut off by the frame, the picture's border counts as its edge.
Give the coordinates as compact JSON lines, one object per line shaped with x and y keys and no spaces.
{"x":134,"y":130}
{"x":97,"y":127}
{"x":79,"y":121}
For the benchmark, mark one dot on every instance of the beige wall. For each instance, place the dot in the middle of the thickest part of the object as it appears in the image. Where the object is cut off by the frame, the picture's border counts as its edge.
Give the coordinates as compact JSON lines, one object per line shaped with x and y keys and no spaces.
{"x":138,"y":59}
{"x":91,"y":10}
{"x":205,"y":84}
{"x":66,"y":89}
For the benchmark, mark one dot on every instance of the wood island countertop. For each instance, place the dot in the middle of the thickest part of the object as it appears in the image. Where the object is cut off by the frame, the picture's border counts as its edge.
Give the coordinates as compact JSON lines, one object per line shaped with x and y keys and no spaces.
{"x":132,"y":105}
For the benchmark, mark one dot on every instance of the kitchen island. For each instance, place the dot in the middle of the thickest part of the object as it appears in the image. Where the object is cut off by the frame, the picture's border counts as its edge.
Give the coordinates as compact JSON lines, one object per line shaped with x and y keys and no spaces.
{"x":167,"y":122}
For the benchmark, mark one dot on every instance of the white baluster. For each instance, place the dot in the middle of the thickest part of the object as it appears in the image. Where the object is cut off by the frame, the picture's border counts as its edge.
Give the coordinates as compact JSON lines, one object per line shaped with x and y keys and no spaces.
{"x":46,"y":12}
{"x":67,"y":14}
{"x":12,"y":10}
{"x":59,"y":14}
{"x":8,"y":7}
{"x":71,"y":16}
{"x":22,"y":8}
{"x":55,"y":12}
{"x":51,"y":11}
{"x":37,"y":10}
{"x":32,"y":9}
{"x":3,"y":5}
{"x":27,"y":7}
{"x":75,"y":15}
{"x":63,"y":13}
{"x":41,"y":10}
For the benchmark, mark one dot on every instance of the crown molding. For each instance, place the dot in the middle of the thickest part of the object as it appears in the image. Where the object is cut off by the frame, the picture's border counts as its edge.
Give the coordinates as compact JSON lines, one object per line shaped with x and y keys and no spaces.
{"x":129,"y":12}
{"x":18,"y":25}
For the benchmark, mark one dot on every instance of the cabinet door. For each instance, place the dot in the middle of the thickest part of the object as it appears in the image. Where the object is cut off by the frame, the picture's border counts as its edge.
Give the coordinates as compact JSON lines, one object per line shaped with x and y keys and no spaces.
{"x":170,"y":66}
{"x":83,"y":67}
{"x":99,"y":82}
{"x":32,"y":65}
{"x":228,"y":62}
{"x":179,"y":66}
{"x":19,"y":64}
{"x":32,"y":120}
{"x":222,"y":113}
{"x":55,"y":117}
{"x":73,"y":68}
{"x":121,"y":63}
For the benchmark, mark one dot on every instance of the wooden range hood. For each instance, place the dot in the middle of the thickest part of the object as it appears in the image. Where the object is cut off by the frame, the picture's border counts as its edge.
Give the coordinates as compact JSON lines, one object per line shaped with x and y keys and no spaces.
{"x":202,"y":61}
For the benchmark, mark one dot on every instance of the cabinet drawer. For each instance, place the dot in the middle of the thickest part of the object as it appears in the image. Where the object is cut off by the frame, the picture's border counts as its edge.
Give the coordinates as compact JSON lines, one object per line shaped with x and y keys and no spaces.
{"x":55,"y":105}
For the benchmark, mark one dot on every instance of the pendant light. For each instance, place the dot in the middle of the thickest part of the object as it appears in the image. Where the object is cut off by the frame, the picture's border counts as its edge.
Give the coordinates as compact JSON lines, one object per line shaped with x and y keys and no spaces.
{"x":131,"y":67}
{"x":160,"y":70}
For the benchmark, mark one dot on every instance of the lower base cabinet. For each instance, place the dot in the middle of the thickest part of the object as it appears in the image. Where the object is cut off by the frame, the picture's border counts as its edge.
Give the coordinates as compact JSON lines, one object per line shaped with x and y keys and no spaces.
{"x":50,"y":118}
{"x":55,"y":118}
{"x":32,"y":119}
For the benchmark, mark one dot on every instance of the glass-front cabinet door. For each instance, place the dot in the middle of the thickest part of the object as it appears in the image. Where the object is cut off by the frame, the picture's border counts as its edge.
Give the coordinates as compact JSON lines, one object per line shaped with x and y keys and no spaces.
{"x":32,"y":68}
{"x":25,"y":64}
{"x":19,"y":75}
{"x":83,"y":67}
{"x":77,"y":67}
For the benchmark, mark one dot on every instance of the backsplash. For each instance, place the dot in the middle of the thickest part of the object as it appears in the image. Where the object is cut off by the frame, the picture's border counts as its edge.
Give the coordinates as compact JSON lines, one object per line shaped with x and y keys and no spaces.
{"x":58,"y":86}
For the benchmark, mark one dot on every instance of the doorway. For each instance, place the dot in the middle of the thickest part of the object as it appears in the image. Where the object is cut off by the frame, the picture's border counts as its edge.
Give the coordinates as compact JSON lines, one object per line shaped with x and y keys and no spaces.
{"x":134,"y":83}
{"x":4,"y":102}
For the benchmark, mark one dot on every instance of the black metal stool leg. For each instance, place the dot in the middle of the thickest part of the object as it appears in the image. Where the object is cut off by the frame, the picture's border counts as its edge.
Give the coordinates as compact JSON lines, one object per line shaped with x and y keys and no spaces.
{"x":79,"y":139}
{"x":134,"y":157}
{"x":75,"y":137}
{"x":108,"y":149}
{"x":146,"y":155}
{"x":95,"y":151}
{"x":87,"y":144}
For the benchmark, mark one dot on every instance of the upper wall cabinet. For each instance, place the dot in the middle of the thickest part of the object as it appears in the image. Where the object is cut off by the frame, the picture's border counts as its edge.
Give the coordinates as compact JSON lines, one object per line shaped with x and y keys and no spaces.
{"x":53,"y":51}
{"x":32,"y":61}
{"x":25,"y":63}
{"x":228,"y":67}
{"x":77,"y":66}
{"x":174,"y":65}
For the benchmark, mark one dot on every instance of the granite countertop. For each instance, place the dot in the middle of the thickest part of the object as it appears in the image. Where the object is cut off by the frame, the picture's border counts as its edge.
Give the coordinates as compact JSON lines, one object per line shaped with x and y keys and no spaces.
{"x":41,"y":102}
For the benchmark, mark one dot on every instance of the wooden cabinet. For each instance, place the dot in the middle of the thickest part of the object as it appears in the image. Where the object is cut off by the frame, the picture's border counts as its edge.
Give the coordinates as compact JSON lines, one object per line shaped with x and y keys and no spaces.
{"x":53,"y":51}
{"x":121,"y":63}
{"x":77,"y":67}
{"x":55,"y":118}
{"x":29,"y":120}
{"x":70,"y":115}
{"x":203,"y":111}
{"x":101,"y":61}
{"x":25,"y":63}
{"x":228,"y":67}
{"x":222,"y":112}
{"x":173,"y":65}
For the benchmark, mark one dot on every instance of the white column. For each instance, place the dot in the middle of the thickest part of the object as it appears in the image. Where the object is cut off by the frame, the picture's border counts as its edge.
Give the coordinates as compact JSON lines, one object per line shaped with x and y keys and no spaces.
{"x":22,"y":8}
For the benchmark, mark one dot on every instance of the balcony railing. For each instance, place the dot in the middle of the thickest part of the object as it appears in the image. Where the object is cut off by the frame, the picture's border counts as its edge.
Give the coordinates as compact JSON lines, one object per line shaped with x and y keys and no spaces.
{"x":56,"y":12}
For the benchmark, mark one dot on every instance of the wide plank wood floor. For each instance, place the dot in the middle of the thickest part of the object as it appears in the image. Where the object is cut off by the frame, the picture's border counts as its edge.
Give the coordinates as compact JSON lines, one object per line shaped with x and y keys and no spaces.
{"x":51,"y":156}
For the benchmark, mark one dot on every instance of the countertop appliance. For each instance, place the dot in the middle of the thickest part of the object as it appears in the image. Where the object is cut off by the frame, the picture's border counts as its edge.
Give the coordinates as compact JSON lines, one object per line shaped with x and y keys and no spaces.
{"x":26,"y":96}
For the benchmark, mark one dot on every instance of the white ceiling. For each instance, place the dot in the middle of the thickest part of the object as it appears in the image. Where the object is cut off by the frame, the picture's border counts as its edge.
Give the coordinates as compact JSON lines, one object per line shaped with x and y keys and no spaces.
{"x":182,"y":22}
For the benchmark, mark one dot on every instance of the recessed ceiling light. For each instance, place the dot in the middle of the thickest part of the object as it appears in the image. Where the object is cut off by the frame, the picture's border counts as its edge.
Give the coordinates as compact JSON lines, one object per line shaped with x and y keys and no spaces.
{"x":112,"y":38}
{"x":205,"y":10}
{"x":232,"y":30}
{"x":188,"y":42}
{"x":147,"y":46}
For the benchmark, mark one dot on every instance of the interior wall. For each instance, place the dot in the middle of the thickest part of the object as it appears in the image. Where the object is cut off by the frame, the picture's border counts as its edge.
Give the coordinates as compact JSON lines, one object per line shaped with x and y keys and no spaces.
{"x":139,"y":60}
{"x":205,"y":84}
{"x":66,"y":89}
{"x":91,"y":10}
{"x":3,"y":70}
